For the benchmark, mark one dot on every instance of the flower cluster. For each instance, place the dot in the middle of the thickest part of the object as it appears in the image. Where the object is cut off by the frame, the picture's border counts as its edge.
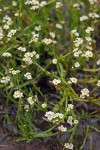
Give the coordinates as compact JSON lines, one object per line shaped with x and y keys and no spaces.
{"x":71,"y":121}
{"x":5,"y":80}
{"x":7,"y":54}
{"x":85,"y":93}
{"x":22,"y":49}
{"x":28,"y":75}
{"x":48,"y":41}
{"x":53,"y":117}
{"x":35,"y":4}
{"x":74,"y":32}
{"x":92,"y":2}
{"x":7,"y":22}
{"x":59,"y":4}
{"x":69,"y":145}
{"x":30,"y":100}
{"x":18,"y":94}
{"x":28,"y":57}
{"x":14,"y":72}
{"x":11,"y":33}
{"x":35,"y":37}
{"x":70,"y":107}
{"x":56,"y":81}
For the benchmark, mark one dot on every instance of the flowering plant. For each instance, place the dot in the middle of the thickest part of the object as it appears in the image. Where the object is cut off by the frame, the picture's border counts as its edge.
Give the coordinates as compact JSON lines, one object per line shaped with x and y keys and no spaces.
{"x":53,"y":43}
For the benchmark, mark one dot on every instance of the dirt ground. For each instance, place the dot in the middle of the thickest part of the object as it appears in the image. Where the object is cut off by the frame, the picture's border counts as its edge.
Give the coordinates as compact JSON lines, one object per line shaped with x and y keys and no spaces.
{"x":37,"y":144}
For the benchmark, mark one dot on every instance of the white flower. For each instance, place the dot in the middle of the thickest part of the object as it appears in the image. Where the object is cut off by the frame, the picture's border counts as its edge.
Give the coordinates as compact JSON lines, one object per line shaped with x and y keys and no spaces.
{"x":34,"y":53}
{"x":69,"y":145}
{"x":76,"y":5}
{"x":5,"y":79}
{"x":70,"y":120}
{"x":88,"y":39}
{"x":69,"y":82}
{"x":98,"y":62}
{"x":52,"y":34}
{"x":66,"y":145}
{"x":11,"y":33}
{"x":7,"y":20}
{"x":28,"y":75}
{"x":6,"y":26}
{"x":51,"y":116}
{"x":43,"y":3}
{"x":78,"y":42}
{"x":34,"y":7}
{"x":30,"y":100}
{"x":76,"y":49}
{"x":35,"y":37}
{"x":44,"y":105}
{"x":88,"y":54}
{"x":93,"y":15}
{"x":89,"y":29}
{"x":14,"y":72}
{"x":18,"y":94}
{"x":14,"y":3}
{"x":73,"y":80}
{"x":28,"y":60}
{"x":74,"y":32}
{"x":92,"y":2}
{"x":62,"y":128}
{"x":59,"y":26}
{"x":89,"y":48}
{"x":56,"y":81}
{"x":28,"y":54}
{"x":98,"y":84}
{"x":77,"y":64}
{"x":75,"y":121}
{"x":23,"y":49}
{"x":85,"y":92}
{"x":47,"y":41}
{"x":70,"y":107}
{"x":37,"y":28}
{"x":83,"y":18}
{"x":59,"y":4}
{"x":54,"y":61}
{"x":37,"y":56}
{"x":7,"y":54}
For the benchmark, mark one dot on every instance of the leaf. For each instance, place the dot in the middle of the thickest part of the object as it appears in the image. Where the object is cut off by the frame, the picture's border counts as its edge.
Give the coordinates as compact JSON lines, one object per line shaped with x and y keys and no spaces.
{"x":44,"y":134}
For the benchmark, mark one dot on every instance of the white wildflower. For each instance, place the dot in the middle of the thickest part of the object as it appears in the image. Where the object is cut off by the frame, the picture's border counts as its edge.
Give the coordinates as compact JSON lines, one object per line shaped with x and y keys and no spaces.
{"x":62,"y":128}
{"x":83,"y":18}
{"x":58,"y":4}
{"x":7,"y":54}
{"x":77,"y":64}
{"x":98,"y":84}
{"x":73,"y":80}
{"x":18,"y":94}
{"x":59,"y":26}
{"x":56,"y":81}
{"x":30,"y":100}
{"x":5,"y":79}
{"x":44,"y":105}
{"x":54,"y":61}
{"x":23,"y":49}
{"x":98,"y":62}
{"x":28,"y":75}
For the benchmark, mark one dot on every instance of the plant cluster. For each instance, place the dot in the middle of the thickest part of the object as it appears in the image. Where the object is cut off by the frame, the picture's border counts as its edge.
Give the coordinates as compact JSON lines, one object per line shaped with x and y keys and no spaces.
{"x":53,"y":41}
